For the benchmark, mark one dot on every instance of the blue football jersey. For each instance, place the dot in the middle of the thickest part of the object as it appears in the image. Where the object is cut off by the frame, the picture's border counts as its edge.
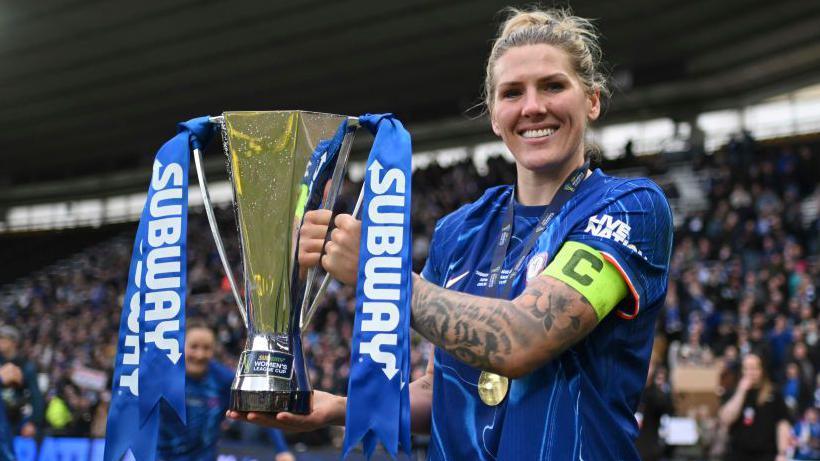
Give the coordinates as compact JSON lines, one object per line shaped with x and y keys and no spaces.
{"x":206,"y":401}
{"x":6,"y":439}
{"x":580,"y":405}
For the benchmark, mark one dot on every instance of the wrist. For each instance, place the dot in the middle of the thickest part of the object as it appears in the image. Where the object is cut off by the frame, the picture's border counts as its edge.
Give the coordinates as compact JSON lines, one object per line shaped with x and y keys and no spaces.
{"x":339,"y":413}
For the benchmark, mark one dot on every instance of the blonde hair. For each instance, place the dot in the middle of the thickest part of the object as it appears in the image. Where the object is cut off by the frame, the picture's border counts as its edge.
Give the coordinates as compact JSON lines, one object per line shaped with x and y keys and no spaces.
{"x":574,"y":35}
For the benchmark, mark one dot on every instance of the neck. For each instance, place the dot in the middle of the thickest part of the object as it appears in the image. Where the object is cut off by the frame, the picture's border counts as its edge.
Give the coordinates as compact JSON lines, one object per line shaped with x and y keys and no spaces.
{"x":539,"y":188}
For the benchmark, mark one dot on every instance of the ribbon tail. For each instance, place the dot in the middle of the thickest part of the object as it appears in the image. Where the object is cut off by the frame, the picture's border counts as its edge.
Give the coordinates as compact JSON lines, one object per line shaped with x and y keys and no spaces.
{"x":123,"y":418}
{"x":162,"y":365}
{"x":146,"y":450}
{"x":378,"y":410}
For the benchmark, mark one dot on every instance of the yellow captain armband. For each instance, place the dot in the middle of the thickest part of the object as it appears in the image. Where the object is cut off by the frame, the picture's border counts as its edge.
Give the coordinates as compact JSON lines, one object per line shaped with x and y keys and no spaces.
{"x":585,"y":269}
{"x":300,"y":204}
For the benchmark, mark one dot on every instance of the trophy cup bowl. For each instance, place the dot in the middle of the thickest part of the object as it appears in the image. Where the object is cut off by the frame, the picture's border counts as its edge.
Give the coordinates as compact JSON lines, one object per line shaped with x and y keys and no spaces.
{"x":278,"y":162}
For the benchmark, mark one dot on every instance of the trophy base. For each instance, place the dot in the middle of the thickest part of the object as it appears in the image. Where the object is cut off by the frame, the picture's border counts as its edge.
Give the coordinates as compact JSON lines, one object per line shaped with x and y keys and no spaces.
{"x":297,"y":402}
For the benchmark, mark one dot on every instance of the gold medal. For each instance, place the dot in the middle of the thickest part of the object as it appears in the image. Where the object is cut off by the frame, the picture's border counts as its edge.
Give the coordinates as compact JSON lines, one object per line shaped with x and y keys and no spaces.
{"x":492,"y":388}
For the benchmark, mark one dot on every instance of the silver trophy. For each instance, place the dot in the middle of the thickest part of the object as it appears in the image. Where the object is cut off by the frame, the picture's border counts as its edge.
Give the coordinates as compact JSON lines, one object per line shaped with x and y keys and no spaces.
{"x":279,"y":164}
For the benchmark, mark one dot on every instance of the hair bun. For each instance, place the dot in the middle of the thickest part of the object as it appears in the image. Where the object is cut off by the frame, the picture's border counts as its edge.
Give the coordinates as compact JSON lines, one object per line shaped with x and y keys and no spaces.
{"x":524,"y":19}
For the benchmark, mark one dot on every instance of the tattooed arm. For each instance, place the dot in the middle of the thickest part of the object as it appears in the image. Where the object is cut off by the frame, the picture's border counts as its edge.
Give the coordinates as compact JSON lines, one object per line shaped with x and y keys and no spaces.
{"x":511,"y":338}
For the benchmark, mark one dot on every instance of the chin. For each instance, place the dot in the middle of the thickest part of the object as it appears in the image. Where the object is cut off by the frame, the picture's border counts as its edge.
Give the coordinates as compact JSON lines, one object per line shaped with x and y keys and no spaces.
{"x":541,"y":163}
{"x":196,"y":371}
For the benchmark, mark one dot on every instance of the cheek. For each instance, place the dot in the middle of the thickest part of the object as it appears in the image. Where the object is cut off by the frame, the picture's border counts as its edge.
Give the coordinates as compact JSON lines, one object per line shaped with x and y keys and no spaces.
{"x":500,"y":121}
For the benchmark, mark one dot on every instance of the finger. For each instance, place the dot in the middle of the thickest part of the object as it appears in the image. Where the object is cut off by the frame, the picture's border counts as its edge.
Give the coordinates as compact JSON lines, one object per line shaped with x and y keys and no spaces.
{"x":349,"y":239}
{"x":313,"y":231}
{"x":330,"y":259}
{"x":265,"y":419}
{"x":346,"y":221}
{"x":309,"y":259}
{"x":311,"y":245}
{"x":291,"y":420}
{"x":296,"y":422}
{"x":235,"y":415}
{"x":326,"y":260}
{"x":318,"y":217}
{"x":336,"y":235}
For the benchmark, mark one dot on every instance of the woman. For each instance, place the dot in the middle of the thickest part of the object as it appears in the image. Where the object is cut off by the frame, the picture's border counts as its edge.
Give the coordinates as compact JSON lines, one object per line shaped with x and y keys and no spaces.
{"x":534,"y":363}
{"x":207,"y":391}
{"x":756,"y":416}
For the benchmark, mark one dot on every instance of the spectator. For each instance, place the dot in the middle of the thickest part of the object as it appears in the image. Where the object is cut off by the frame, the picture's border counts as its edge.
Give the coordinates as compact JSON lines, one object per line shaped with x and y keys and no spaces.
{"x":24,"y":404}
{"x":656,"y":402}
{"x":10,"y":376}
{"x":756,"y":417}
{"x":207,"y":392}
{"x":806,"y":436}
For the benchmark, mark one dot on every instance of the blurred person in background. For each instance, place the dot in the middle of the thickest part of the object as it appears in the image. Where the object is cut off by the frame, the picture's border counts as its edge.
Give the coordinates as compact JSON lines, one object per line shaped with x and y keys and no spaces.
{"x":756,"y":417}
{"x":656,"y":401}
{"x":806,"y":436}
{"x":25,"y":407}
{"x":10,"y":376}
{"x":207,"y":395}
{"x":796,"y":391}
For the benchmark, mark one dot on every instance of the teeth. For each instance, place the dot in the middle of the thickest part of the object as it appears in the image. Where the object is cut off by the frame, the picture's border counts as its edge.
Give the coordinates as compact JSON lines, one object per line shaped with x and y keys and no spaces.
{"x":538,"y":133}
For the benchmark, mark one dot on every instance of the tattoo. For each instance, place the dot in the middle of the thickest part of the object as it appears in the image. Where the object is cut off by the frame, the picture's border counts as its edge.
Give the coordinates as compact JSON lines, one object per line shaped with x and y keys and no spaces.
{"x":499,"y":335}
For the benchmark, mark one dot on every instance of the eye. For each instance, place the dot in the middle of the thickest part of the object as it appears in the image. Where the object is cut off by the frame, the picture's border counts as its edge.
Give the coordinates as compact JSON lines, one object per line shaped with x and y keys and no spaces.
{"x":509,"y":93}
{"x":555,"y":87}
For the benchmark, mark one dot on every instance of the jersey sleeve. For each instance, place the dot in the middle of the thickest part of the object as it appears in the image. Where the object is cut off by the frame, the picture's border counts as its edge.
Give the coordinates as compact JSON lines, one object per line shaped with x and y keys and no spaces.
{"x":633,"y":231}
{"x":432,"y":267}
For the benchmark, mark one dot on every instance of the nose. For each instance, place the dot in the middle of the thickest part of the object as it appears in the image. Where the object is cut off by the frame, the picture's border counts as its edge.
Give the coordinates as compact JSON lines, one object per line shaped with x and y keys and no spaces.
{"x":533,"y":104}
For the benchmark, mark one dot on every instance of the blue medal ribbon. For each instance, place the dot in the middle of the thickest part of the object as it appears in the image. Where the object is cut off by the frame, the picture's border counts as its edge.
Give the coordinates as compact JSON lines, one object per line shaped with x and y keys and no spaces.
{"x":378,"y":401}
{"x":149,"y":365}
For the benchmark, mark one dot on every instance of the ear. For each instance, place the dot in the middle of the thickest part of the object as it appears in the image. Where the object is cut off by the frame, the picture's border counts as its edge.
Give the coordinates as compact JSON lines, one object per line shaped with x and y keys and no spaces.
{"x":594,"y":104}
{"x":496,"y":129}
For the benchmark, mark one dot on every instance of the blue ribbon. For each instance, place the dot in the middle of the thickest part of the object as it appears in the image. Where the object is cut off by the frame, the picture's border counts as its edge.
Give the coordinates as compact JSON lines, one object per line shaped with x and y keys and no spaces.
{"x":321,"y":165}
{"x":378,"y":402}
{"x":149,"y":365}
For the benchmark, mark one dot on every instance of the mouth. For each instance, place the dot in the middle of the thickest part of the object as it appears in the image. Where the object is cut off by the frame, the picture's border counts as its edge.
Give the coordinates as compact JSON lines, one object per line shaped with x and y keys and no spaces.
{"x":537,"y":133}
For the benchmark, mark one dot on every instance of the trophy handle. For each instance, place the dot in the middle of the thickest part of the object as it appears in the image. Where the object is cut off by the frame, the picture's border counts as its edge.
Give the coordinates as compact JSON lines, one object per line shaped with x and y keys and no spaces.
{"x":323,"y":287}
{"x":220,"y":248}
{"x":309,"y":307}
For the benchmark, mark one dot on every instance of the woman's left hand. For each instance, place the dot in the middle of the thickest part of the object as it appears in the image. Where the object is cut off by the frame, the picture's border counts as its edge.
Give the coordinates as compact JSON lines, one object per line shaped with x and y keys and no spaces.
{"x":341,"y":257}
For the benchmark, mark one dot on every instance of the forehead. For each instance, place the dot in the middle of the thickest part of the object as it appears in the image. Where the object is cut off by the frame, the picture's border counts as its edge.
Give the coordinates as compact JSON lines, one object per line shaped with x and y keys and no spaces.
{"x":199,"y":336}
{"x":751,"y":361}
{"x":528,"y":62}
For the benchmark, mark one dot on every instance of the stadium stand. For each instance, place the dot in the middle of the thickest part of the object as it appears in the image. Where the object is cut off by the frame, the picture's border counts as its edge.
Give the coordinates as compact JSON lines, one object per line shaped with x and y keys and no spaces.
{"x":745,"y":273}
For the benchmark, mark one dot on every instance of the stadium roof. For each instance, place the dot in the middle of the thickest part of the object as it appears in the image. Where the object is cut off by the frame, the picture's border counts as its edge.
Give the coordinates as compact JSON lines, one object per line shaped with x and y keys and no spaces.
{"x":92,"y":87}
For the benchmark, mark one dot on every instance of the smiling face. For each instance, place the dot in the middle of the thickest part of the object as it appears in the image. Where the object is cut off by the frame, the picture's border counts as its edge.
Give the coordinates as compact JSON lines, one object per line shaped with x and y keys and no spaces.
{"x":199,"y":350}
{"x":753,"y":369}
{"x":540,"y":109}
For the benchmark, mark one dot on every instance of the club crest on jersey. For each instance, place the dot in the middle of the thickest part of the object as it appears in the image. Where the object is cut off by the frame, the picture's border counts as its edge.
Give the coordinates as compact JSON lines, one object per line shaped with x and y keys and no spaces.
{"x":382,"y":273}
{"x":536,"y":264}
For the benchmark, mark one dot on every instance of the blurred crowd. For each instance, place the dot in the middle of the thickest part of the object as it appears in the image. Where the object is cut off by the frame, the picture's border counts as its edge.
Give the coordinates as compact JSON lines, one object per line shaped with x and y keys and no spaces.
{"x":744,"y":277}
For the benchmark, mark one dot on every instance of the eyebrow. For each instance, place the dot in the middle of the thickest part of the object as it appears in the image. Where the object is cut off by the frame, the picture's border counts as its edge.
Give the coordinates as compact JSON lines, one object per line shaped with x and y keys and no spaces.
{"x":554,"y":76}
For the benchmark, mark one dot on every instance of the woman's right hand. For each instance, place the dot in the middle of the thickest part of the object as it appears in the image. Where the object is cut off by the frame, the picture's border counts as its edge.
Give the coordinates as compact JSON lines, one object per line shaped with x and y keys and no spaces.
{"x":744,"y":384}
{"x":328,"y":410}
{"x":341,"y":259}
